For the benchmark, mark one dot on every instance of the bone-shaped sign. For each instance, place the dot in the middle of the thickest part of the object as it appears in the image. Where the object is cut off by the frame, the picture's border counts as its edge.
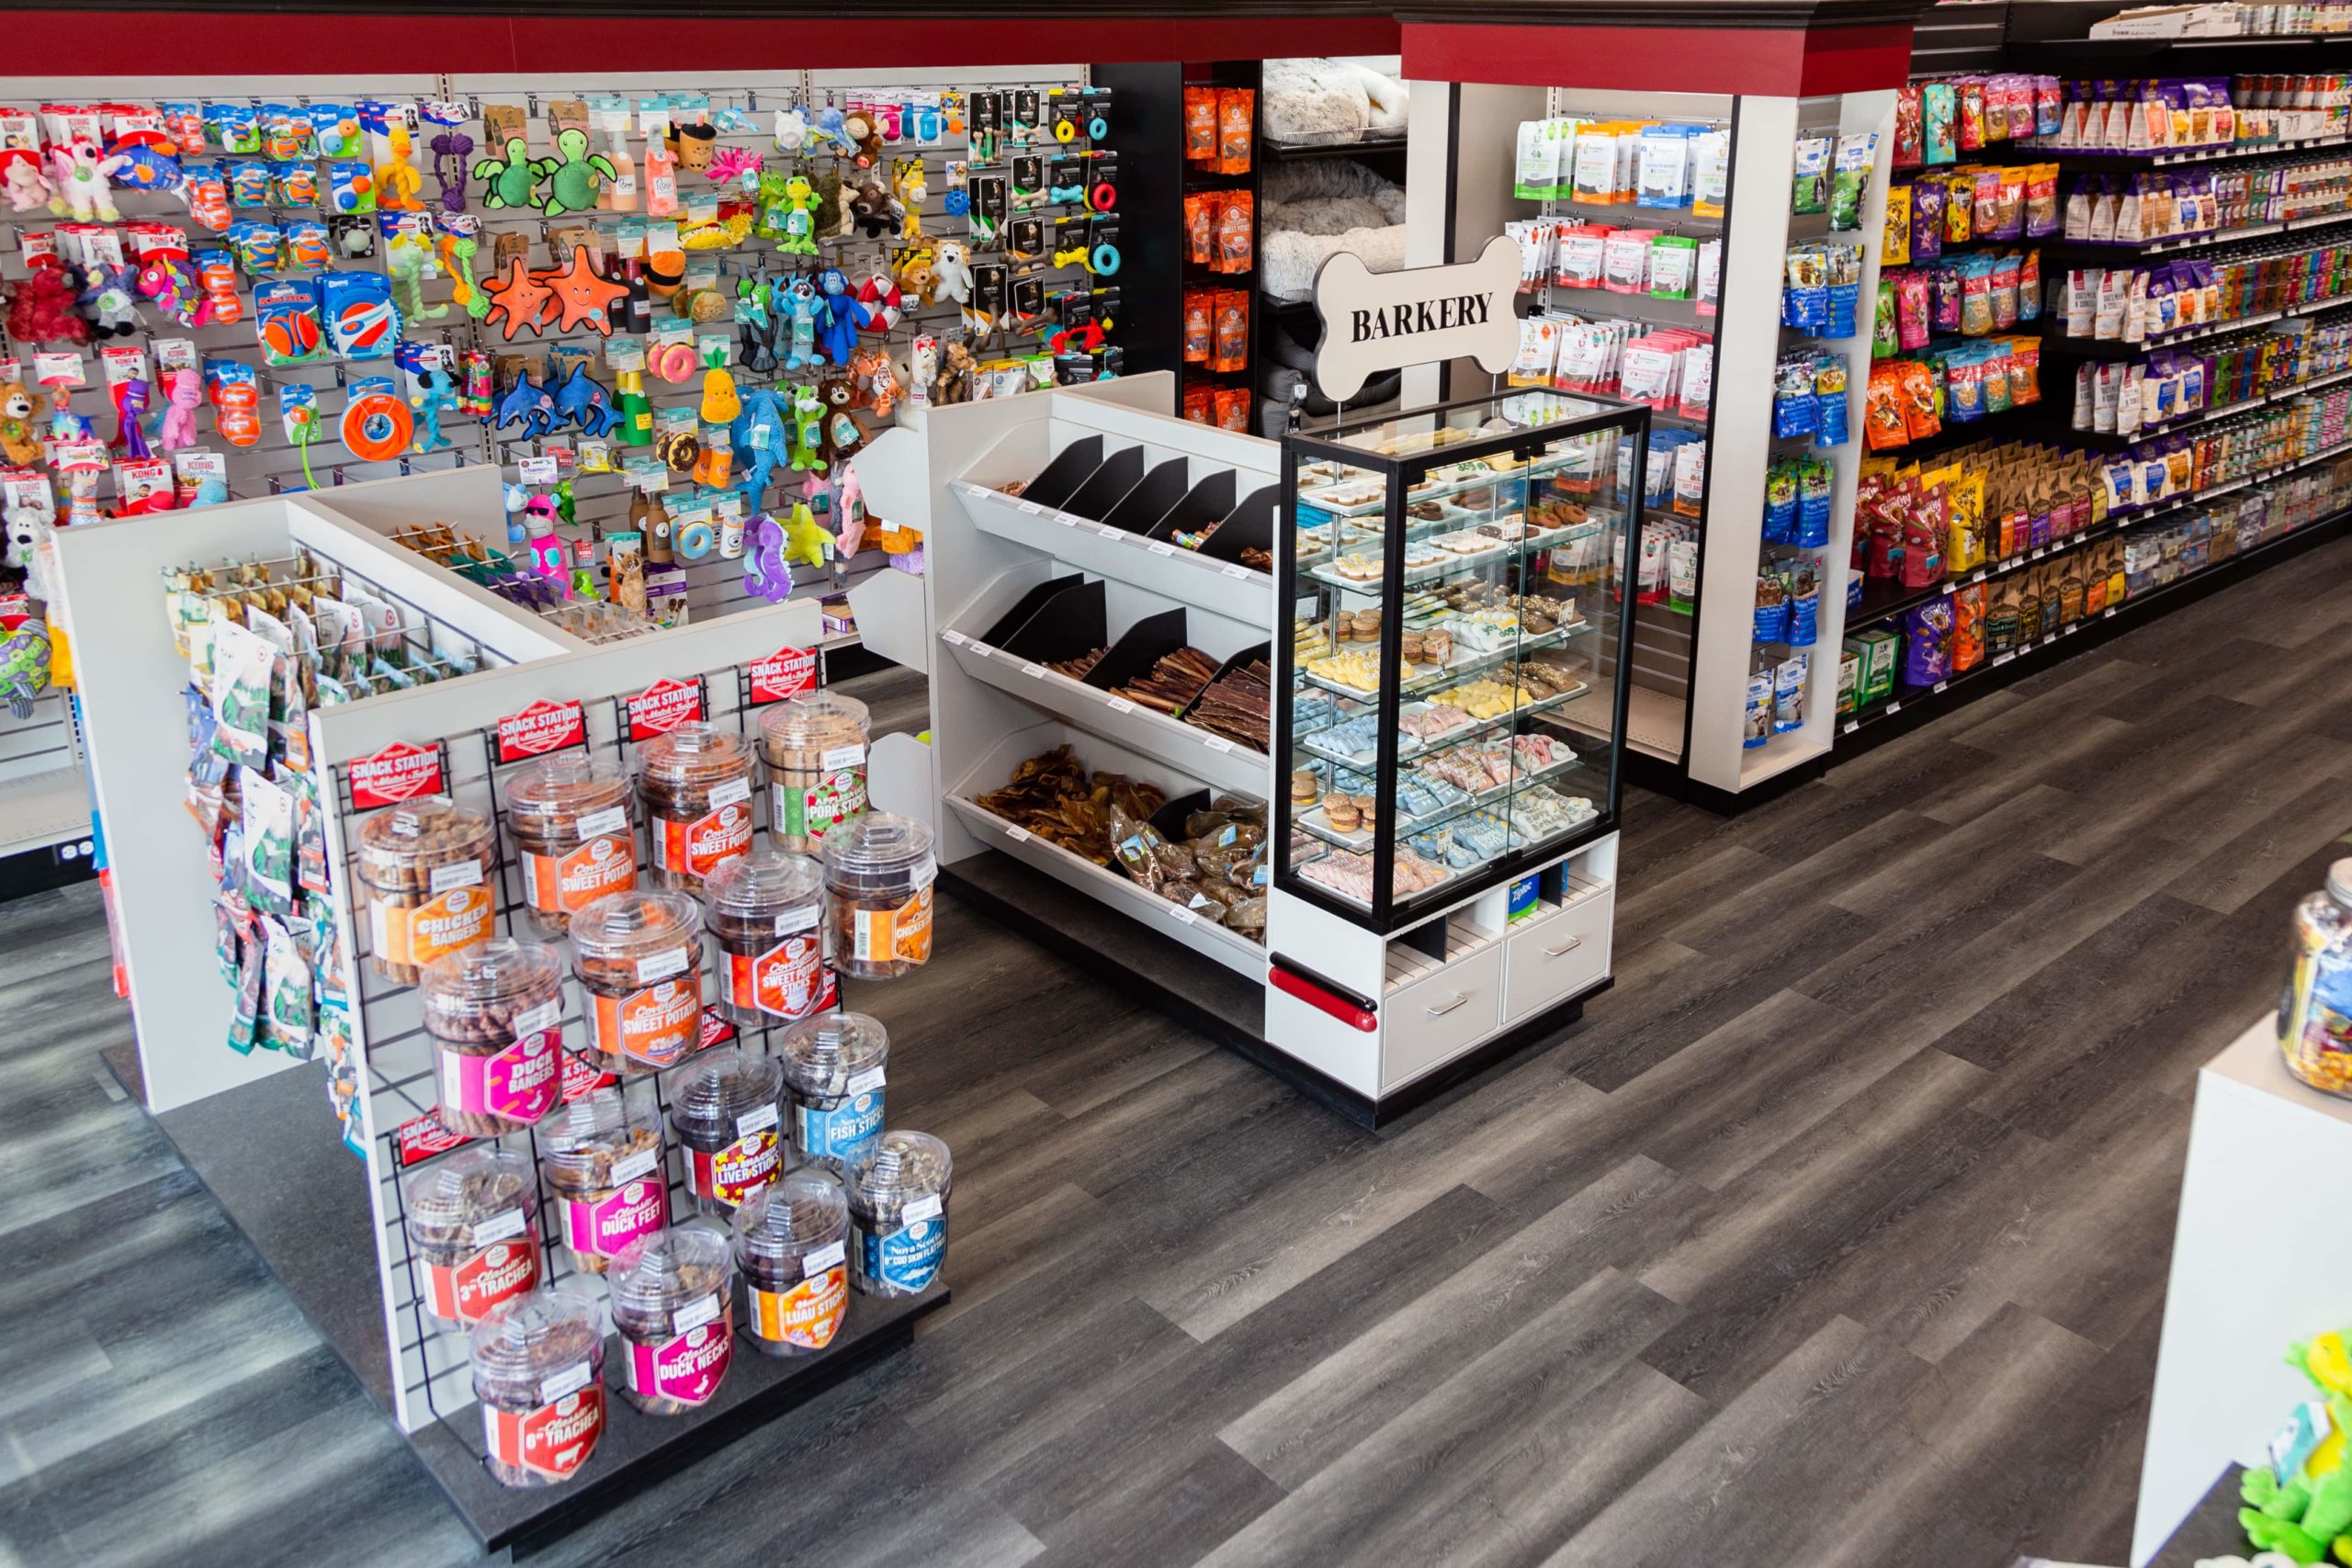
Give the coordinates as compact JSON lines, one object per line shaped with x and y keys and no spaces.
{"x":1385,"y":320}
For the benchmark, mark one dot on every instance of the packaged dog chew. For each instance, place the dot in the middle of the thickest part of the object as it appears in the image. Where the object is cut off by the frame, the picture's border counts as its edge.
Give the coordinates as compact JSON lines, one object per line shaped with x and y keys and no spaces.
{"x":1236,"y":129}
{"x":1200,"y":124}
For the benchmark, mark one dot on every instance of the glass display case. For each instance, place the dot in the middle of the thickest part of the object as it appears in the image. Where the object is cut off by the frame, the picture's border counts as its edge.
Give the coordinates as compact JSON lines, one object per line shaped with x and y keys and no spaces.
{"x":1452,"y":693}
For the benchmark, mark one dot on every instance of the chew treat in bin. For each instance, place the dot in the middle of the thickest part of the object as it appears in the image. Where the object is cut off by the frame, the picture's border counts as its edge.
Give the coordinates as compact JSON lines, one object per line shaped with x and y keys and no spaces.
{"x":1076,"y":669}
{"x":1053,"y":797}
{"x":1239,"y":706}
{"x":1174,"y":681}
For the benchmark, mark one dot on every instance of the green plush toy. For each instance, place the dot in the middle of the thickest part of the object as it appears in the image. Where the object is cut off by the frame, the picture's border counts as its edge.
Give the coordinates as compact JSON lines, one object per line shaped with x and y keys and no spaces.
{"x":2311,"y":1516}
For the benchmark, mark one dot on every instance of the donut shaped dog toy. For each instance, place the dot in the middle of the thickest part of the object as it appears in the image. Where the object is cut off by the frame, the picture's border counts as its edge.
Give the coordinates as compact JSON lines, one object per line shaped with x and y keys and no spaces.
{"x":378,"y":427}
{"x":1105,"y":262}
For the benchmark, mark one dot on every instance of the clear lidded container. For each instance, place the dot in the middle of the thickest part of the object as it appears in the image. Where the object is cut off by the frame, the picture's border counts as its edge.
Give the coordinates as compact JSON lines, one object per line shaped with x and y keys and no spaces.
{"x":425,"y":867}
{"x":2315,"y":1005}
{"x":766,"y":911}
{"x":834,"y":1065}
{"x":639,"y":958}
{"x":672,"y":1304}
{"x":726,"y":1107}
{"x":815,"y":748}
{"x":792,"y":1259}
{"x":494,"y":1014}
{"x":878,"y":876}
{"x":574,"y":822}
{"x":538,"y":1365}
{"x":897,"y":1208}
{"x":602,"y":1161}
{"x":696,"y":784}
{"x":470,"y":1225}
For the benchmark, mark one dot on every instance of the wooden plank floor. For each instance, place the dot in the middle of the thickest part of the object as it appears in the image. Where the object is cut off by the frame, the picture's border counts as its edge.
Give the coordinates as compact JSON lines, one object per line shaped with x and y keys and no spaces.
{"x":1835,"y":1235}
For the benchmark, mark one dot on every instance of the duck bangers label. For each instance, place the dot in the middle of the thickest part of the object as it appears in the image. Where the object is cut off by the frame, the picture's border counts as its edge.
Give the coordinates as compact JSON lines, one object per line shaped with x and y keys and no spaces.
{"x":553,"y":1440}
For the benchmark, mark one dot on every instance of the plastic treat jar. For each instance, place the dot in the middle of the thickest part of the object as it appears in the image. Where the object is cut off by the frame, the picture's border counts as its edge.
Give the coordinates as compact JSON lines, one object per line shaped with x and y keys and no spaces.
{"x":815,"y":747}
{"x":494,"y":1015}
{"x":469,"y":1228}
{"x":878,"y":876}
{"x":425,"y":868}
{"x":766,"y":912}
{"x":898,"y":1207}
{"x":834,"y":1066}
{"x":792,"y":1258}
{"x":726,"y":1107}
{"x":696,"y":784}
{"x":602,"y":1159}
{"x":573,"y":819}
{"x":671,"y":1302}
{"x":538,"y":1365}
{"x":639,"y":958}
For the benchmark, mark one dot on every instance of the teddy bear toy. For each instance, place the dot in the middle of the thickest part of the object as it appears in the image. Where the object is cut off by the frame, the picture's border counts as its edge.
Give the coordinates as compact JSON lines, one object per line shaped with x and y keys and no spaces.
{"x":956,"y":370}
{"x":861,"y":131}
{"x":18,"y":443}
{"x":877,"y":211}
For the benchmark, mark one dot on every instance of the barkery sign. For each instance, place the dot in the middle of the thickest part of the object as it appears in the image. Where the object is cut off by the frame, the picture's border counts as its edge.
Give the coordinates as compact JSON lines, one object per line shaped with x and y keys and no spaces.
{"x":1375,"y":321}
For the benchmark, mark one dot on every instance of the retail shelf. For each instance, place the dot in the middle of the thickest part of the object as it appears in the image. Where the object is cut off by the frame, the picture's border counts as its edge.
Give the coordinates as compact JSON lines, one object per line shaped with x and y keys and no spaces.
{"x":1654,"y":720}
{"x":1212,"y":758}
{"x":1412,"y":750}
{"x":1777,"y":756}
{"x":2056,"y":249}
{"x":1183,"y":576}
{"x":1237,"y":952}
{"x":2207,"y":416}
{"x":889,"y":607}
{"x":2168,"y":158}
{"x":42,"y":810}
{"x":1363,"y":147}
{"x":2117,"y":349}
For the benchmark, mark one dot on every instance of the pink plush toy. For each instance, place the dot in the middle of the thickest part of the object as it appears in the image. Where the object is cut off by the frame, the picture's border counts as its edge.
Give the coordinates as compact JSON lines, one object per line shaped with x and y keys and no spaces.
{"x":178,"y":428}
{"x":26,"y":186}
{"x":81,"y":174}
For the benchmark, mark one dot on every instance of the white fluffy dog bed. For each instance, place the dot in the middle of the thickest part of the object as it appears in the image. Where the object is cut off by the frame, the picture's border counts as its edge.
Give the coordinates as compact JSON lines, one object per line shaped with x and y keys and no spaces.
{"x":1323,"y":101}
{"x":1314,"y":209}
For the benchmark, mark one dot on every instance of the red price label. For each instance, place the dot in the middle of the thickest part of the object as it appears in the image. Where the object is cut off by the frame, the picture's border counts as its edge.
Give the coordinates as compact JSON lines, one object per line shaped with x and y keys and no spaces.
{"x":662,"y":706}
{"x":786,"y":672}
{"x":542,"y":728}
{"x":400,"y":772}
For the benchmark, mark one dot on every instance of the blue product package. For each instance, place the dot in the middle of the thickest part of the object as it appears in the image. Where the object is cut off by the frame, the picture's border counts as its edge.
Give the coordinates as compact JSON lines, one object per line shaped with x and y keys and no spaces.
{"x":1772,"y":622}
{"x":1844,"y":301}
{"x":1781,"y":502}
{"x":357,"y":312}
{"x":1815,"y":490}
{"x":1853,"y":590}
{"x":1830,"y":402}
{"x":1804,"y":619}
{"x":1793,"y":409}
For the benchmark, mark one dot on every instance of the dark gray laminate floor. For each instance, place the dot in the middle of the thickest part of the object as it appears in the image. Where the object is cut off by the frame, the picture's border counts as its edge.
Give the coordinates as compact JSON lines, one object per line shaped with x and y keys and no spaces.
{"x":1834,"y":1236}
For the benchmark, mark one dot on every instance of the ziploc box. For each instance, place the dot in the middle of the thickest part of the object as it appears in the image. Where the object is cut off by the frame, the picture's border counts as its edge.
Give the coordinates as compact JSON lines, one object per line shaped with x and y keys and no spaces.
{"x":1523,"y":899}
{"x":1877,"y":651}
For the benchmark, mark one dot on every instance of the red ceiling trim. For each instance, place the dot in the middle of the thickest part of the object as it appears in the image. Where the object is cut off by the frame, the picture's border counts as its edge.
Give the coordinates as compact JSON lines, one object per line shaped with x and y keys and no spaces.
{"x":1783,"y":61}
{"x":189,"y":43}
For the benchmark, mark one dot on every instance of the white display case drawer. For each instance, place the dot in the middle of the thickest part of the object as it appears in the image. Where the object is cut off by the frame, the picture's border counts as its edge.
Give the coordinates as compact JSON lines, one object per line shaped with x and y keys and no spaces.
{"x":1560,"y":956}
{"x":1434,"y":1020}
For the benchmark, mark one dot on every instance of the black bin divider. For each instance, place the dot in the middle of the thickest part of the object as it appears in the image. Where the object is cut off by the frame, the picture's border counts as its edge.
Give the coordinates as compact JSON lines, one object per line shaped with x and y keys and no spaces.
{"x":1169,"y":818}
{"x":1210,"y":501}
{"x":1138,"y":648}
{"x":1250,"y":526}
{"x":1264,"y":650}
{"x":1107,"y":486}
{"x":1012,"y":620}
{"x":1060,"y":478}
{"x":1148,"y":502}
{"x":1070,"y":624}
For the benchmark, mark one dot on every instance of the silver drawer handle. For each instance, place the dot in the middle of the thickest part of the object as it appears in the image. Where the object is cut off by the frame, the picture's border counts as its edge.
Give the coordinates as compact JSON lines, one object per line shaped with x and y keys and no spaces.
{"x":1459,"y":998}
{"x":1573,"y":941}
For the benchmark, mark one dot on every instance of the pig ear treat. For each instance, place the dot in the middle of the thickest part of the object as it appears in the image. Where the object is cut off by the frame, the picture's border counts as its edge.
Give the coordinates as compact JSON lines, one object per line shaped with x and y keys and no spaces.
{"x":1376,"y":321}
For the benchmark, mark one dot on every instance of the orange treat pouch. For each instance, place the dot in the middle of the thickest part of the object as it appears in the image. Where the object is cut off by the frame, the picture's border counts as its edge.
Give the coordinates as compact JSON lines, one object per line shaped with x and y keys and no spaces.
{"x":1237,"y":113}
{"x":1200,"y":124}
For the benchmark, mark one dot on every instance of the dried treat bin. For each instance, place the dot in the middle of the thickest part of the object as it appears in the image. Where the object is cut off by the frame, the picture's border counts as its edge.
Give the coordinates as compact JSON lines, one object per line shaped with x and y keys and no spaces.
{"x":815,"y":748}
{"x":766,"y":912}
{"x":898,"y":1209}
{"x":695,"y":786}
{"x":602,"y":1159}
{"x":538,"y":1370}
{"x":574,"y":822}
{"x":494,"y":1015}
{"x":833,"y":1064}
{"x":878,"y":876}
{"x":792,"y":1258}
{"x":726,"y":1107}
{"x":426,"y":869}
{"x":671,"y":1302}
{"x":470,"y":1229}
{"x":639,"y":957}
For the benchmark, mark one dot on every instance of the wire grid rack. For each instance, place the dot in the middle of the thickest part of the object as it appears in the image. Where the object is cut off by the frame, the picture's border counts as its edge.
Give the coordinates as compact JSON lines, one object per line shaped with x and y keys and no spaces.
{"x":399,"y":1084}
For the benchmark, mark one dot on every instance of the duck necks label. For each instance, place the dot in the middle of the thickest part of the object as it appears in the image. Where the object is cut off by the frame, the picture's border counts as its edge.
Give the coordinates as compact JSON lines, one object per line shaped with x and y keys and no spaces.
{"x":465,"y":1291}
{"x":520,"y":1083}
{"x":700,"y":847}
{"x":840,"y":1131}
{"x":905,"y":1260}
{"x":553,"y":1440}
{"x":602,"y":1226}
{"x":788,"y":981}
{"x":568,"y":882}
{"x":807,"y":1315}
{"x":656,"y":1023}
{"x":735,"y":1172}
{"x":688,"y":1366}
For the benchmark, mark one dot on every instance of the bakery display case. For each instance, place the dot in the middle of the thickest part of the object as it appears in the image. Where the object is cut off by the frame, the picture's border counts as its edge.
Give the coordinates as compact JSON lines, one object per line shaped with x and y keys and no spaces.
{"x":1450,"y":694}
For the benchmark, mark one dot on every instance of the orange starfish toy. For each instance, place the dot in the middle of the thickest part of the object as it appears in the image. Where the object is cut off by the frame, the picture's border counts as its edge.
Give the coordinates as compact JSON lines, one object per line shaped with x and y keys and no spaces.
{"x":521,"y":297}
{"x":582,"y":295}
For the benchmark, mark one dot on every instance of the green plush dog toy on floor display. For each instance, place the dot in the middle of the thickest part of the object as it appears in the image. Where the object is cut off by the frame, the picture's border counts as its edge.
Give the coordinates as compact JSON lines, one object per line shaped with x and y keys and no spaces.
{"x":2301,"y":1504}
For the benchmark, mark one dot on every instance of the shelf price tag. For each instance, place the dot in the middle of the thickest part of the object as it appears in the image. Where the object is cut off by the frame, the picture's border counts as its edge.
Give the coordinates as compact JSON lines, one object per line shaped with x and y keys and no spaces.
{"x":1065,"y":519}
{"x":1035,"y":671}
{"x":1183,"y":917}
{"x":1238,"y":571}
{"x":2107,"y":614}
{"x":1894,"y":708}
{"x":1114,"y":534}
{"x":981,"y":650}
{"x":1161,"y":548}
{"x":1942,"y":684}
{"x":952,"y":639}
{"x":1121,"y":705}
{"x":2001,"y":659}
{"x":1018,"y":835}
{"x":1030,"y":509}
{"x":1850,"y":726}
{"x":1217,"y":743}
